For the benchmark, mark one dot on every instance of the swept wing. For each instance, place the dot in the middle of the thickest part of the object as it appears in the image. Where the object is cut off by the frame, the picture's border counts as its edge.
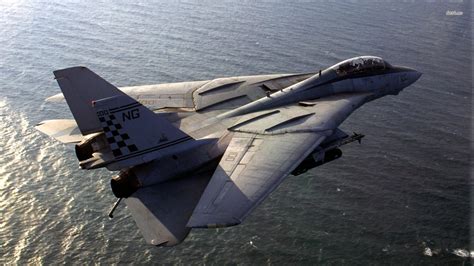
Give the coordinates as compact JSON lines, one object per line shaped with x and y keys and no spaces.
{"x":267,"y":147}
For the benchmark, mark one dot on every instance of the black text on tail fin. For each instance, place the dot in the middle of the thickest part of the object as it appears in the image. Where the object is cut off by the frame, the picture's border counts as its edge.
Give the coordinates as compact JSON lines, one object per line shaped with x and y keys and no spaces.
{"x":134,"y":133}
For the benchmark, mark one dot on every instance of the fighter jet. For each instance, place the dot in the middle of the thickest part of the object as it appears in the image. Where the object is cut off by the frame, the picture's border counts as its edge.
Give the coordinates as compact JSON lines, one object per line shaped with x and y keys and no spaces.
{"x":205,"y":154}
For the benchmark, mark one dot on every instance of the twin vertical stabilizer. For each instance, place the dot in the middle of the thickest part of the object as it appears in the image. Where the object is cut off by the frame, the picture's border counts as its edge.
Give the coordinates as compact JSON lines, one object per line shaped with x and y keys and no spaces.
{"x":134,"y":134}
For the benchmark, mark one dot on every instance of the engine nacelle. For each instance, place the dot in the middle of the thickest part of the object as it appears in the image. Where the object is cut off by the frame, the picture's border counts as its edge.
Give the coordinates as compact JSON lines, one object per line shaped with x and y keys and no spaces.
{"x":174,"y":166}
{"x":316,"y":159}
{"x":90,"y":145}
{"x":124,"y":184}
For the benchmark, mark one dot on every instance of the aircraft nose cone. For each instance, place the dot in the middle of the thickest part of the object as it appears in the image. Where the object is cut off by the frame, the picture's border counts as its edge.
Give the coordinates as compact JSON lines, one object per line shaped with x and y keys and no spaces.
{"x":410,"y":76}
{"x":415,"y":75}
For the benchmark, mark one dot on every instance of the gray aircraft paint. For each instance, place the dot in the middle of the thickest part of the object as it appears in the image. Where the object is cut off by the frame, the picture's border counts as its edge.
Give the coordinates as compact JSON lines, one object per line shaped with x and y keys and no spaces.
{"x":263,"y":127}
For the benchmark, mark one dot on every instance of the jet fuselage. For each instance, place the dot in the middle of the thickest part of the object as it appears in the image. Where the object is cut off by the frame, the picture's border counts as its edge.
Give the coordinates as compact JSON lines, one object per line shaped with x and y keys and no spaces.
{"x":360,"y":74}
{"x":365,"y":74}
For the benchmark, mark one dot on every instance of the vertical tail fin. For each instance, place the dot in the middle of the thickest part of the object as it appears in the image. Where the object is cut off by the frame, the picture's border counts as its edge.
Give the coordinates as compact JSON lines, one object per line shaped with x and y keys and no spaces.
{"x":80,"y":87}
{"x":134,"y":133}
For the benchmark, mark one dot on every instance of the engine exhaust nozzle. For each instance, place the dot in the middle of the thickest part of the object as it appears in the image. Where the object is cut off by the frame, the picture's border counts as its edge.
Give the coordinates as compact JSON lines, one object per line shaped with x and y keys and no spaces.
{"x":124,"y":184}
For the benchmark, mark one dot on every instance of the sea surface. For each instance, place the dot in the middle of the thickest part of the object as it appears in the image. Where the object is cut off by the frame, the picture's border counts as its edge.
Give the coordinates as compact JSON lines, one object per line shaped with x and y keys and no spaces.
{"x":402,"y":197}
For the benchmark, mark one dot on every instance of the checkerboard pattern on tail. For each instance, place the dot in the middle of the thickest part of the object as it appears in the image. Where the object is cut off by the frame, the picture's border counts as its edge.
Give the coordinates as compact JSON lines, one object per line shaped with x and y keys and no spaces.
{"x":120,"y":144}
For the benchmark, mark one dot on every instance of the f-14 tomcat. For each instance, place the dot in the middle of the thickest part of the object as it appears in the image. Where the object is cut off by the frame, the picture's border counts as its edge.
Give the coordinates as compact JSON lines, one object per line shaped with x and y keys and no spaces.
{"x":205,"y":154}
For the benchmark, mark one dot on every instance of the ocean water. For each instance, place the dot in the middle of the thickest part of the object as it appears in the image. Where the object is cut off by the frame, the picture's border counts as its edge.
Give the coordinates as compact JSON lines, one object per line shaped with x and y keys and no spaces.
{"x":402,"y":197}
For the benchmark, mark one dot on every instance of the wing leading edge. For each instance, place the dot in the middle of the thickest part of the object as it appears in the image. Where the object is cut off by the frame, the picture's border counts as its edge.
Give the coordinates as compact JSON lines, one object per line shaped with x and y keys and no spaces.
{"x":251,"y":168}
{"x":259,"y":158}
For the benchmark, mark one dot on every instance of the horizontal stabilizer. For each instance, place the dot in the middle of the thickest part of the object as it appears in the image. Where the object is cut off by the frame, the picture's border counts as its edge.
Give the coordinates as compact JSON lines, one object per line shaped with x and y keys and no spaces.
{"x":63,"y":130}
{"x":162,"y":211}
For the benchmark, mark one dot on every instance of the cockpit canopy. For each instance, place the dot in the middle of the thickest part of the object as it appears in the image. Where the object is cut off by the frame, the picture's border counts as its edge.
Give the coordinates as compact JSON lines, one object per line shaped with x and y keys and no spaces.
{"x":361,"y":64}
